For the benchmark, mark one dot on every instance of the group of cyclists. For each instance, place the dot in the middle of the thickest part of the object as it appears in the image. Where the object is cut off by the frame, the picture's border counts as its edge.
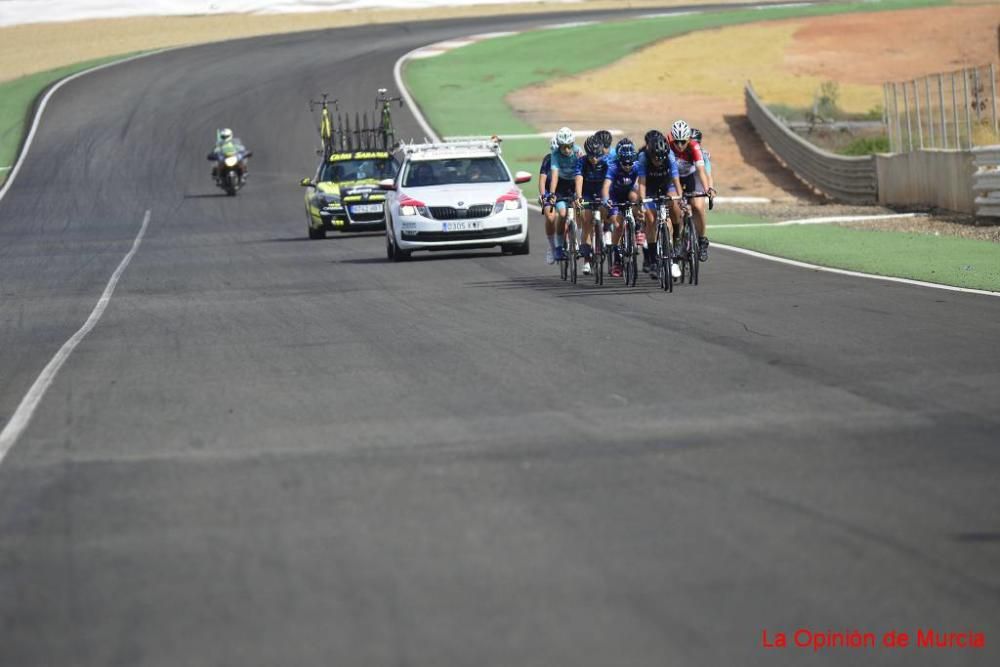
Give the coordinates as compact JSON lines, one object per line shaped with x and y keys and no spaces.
{"x":672,"y":167}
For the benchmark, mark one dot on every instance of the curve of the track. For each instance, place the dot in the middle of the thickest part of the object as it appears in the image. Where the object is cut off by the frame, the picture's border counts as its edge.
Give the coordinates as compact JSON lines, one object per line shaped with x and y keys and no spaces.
{"x":274,"y":451}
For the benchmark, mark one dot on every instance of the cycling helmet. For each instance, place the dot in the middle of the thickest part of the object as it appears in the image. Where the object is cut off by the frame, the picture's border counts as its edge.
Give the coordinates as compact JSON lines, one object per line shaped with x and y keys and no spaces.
{"x":658,"y":147}
{"x":554,"y":145}
{"x":564,"y":137}
{"x":225,"y":134}
{"x":626,"y":153}
{"x":594,"y":146}
{"x":680,"y":131}
{"x":695,"y":134}
{"x":604,"y":137}
{"x":651,"y":136}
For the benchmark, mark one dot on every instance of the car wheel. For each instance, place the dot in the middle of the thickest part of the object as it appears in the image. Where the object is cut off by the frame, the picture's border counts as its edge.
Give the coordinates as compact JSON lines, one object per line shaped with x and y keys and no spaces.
{"x":315,"y":234}
{"x":393,"y":251}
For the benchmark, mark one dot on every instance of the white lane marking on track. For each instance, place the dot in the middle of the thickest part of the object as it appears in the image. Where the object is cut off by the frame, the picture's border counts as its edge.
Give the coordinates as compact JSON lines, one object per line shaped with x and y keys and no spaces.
{"x":827,"y":220}
{"x":45,"y":101}
{"x":26,"y":409}
{"x":854,"y":274}
{"x":433,"y":136}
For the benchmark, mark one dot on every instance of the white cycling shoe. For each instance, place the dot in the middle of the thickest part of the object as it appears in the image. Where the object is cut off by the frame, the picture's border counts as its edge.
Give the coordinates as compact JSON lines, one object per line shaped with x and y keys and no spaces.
{"x":586,"y":268}
{"x":675,"y":270}
{"x":549,"y":257}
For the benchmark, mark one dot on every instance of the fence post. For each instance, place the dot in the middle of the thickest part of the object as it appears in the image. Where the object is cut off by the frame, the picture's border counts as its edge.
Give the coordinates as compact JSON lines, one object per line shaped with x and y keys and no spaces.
{"x":916,"y":108}
{"x":968,"y":112}
{"x":930,"y":110}
{"x":954,"y":112}
{"x":909,"y":124}
{"x":944,"y":126}
{"x":885,"y":115}
{"x":896,"y":118}
{"x":993,"y":91}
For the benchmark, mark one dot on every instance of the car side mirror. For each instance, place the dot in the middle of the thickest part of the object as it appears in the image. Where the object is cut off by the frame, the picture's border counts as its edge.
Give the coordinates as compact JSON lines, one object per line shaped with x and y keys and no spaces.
{"x":211,"y":156}
{"x":307,"y":183}
{"x":387,"y":184}
{"x":249,"y":154}
{"x":522,"y":177}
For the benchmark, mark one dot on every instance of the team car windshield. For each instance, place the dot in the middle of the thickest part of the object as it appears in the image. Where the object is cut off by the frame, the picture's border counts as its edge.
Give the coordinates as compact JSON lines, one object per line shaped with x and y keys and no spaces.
{"x":358,"y":170}
{"x":461,"y":170}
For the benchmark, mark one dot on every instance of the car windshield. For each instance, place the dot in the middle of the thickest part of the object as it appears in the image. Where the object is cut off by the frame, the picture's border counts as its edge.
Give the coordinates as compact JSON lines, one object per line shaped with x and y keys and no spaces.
{"x":358,"y":170}
{"x":462,"y":170}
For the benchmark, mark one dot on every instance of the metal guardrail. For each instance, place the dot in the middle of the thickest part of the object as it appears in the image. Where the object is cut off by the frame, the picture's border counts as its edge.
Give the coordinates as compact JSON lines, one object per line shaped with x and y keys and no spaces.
{"x":848,"y":179}
{"x":986,"y":181}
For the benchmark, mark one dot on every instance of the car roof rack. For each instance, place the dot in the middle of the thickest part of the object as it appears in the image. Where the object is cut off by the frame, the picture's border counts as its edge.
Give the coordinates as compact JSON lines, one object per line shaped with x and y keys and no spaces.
{"x":463,"y":144}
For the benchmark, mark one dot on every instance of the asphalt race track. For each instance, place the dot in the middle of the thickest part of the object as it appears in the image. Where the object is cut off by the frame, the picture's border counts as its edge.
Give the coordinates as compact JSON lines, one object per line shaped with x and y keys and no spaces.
{"x":272,"y":451}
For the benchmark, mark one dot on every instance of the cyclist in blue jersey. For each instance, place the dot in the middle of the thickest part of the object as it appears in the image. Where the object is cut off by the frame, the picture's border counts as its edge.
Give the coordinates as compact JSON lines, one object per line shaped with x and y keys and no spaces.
{"x":548,"y":211}
{"x":658,"y":176}
{"x":562,"y":184}
{"x":620,"y":186}
{"x":590,"y":172}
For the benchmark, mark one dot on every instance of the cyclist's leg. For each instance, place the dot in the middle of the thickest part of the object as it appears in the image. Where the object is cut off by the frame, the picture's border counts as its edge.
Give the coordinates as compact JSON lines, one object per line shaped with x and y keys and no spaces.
{"x":560,"y":237}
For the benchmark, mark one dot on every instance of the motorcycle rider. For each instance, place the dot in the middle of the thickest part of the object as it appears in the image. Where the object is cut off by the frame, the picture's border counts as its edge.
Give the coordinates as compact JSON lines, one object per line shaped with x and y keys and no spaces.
{"x":227,"y":144}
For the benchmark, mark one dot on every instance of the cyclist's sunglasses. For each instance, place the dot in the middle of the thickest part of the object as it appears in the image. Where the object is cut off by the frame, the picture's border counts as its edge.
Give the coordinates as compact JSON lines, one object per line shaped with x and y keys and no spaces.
{"x":681,"y":143}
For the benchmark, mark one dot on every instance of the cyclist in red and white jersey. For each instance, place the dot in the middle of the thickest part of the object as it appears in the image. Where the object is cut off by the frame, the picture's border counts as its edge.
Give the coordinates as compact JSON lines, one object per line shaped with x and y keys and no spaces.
{"x":694,"y":178}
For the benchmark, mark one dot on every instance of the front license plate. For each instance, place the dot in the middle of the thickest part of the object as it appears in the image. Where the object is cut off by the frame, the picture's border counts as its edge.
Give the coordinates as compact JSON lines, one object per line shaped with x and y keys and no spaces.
{"x":367,"y":208}
{"x":464,"y":226}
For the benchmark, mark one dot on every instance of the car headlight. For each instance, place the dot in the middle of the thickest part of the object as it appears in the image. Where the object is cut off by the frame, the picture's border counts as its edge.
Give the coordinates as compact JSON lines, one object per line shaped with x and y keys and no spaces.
{"x":331,"y":201}
{"x":511,"y":201}
{"x":410,"y":207}
{"x":232,"y":161}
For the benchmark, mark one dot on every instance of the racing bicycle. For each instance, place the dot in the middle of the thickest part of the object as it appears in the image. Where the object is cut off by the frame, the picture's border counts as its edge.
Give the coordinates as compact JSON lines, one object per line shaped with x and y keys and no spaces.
{"x":627,"y":247}
{"x":664,"y":243}
{"x":597,"y":246}
{"x":325,"y":123}
{"x":571,"y":252}
{"x":686,"y":247}
{"x":385,"y":125}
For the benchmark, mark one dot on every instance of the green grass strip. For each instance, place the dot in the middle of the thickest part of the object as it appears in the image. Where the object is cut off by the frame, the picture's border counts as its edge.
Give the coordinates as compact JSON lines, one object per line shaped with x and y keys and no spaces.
{"x":948,"y":260}
{"x":17,"y":100}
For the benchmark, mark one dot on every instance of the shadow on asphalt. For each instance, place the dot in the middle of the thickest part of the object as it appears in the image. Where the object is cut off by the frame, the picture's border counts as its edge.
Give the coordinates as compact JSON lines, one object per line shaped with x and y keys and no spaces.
{"x":564,"y":289}
{"x":424,"y":257}
{"x":206,"y":196}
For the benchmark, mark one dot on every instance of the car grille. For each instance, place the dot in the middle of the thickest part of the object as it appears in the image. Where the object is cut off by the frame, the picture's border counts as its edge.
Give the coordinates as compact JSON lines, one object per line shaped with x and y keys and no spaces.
{"x":449,"y":213}
{"x":367,"y":217}
{"x":473,"y":235}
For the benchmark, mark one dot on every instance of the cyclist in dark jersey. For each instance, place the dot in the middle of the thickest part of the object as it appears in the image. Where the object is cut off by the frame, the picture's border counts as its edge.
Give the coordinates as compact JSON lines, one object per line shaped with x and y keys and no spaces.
{"x":548,"y":211}
{"x":658,"y":176}
{"x":591,"y":169}
{"x":619,"y":186}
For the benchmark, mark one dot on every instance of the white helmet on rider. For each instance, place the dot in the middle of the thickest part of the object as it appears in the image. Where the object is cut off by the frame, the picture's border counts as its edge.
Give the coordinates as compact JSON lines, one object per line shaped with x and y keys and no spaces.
{"x":565,"y":137}
{"x":680,"y":131}
{"x":225,"y":134}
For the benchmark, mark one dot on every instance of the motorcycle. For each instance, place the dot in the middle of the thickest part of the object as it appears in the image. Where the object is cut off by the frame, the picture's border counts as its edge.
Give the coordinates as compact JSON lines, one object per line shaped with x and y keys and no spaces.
{"x":229,"y":171}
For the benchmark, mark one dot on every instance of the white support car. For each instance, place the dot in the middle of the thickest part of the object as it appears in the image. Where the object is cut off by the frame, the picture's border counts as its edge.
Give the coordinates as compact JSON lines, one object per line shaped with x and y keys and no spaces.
{"x":453,"y":196}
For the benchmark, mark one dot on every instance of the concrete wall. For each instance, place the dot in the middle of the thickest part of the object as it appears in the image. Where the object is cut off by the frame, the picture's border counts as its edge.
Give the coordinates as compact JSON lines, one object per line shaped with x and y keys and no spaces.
{"x":938,"y":178}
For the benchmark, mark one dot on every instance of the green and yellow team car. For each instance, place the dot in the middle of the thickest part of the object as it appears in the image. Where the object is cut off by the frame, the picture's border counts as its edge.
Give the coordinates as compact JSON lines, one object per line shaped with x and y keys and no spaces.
{"x":345,"y":194}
